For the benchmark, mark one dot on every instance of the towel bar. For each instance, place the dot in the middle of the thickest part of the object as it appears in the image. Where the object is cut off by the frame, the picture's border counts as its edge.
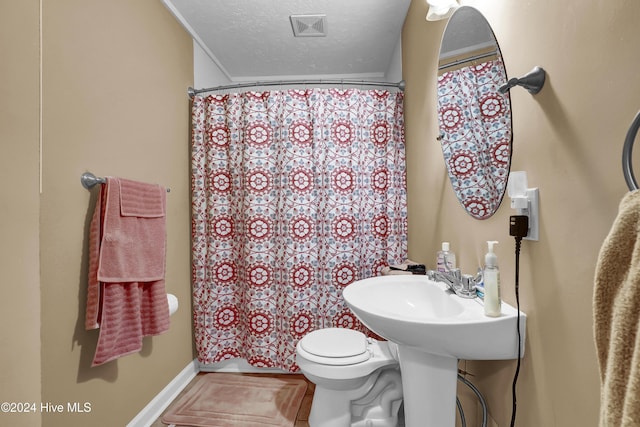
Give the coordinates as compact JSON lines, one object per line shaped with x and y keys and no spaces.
{"x":89,"y":180}
{"x":627,"y":168}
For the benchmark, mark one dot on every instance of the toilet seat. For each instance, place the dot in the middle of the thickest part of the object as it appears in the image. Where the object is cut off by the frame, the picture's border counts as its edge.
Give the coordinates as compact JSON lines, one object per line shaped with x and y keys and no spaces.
{"x":336,"y":347}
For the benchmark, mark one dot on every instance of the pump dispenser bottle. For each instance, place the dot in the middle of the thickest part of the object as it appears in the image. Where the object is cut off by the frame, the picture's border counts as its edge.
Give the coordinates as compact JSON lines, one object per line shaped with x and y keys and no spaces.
{"x":445,"y":254}
{"x":491,"y":277}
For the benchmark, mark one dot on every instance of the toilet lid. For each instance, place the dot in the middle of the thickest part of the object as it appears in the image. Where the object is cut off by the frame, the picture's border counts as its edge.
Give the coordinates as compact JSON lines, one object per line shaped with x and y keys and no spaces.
{"x":338,"y":344}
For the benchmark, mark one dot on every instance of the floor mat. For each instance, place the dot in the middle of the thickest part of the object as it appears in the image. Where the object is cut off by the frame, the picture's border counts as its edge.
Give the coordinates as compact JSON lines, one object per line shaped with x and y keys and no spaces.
{"x":231,"y":400}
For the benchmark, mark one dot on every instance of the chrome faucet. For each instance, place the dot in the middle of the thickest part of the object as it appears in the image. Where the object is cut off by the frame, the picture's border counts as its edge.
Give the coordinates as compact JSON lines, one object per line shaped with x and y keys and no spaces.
{"x":463,"y":285}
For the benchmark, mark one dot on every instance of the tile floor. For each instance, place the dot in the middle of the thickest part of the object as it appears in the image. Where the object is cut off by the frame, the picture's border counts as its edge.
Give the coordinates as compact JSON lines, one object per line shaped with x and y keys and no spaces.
{"x":302,"y":419}
{"x":303,"y":413}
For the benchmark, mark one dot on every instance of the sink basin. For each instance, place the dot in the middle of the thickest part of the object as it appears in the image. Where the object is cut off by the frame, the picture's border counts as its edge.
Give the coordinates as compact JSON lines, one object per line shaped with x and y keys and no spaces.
{"x":423,"y":314}
{"x":433,"y":329}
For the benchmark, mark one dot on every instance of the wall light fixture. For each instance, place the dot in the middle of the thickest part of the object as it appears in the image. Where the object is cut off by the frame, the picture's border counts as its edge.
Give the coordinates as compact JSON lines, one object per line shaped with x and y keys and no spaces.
{"x":441,"y":9}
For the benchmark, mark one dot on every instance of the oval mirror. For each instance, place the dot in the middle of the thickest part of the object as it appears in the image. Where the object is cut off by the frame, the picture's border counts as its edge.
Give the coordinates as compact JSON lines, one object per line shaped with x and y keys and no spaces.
{"x":474,"y":118}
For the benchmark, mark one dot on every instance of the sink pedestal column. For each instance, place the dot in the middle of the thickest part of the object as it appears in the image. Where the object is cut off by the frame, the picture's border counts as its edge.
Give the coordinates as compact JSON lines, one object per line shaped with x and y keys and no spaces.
{"x":429,"y":384}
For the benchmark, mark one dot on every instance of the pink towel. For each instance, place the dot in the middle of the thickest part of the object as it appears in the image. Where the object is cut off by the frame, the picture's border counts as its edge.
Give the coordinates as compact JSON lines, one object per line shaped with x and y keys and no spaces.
{"x":133,"y":243}
{"x":141,"y":200}
{"x":126,"y":295}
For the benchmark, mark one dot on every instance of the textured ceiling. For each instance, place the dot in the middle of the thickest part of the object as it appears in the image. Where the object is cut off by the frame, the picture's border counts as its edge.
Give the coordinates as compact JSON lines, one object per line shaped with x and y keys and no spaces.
{"x":467,"y":31}
{"x":253,"y":39}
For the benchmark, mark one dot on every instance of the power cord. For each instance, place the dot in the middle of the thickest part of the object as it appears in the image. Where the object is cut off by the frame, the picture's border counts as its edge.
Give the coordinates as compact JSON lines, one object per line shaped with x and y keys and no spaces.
{"x":518,"y":228}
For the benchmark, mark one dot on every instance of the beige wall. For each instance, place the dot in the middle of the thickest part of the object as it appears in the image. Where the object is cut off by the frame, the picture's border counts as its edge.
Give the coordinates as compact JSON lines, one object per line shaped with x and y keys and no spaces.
{"x":19,"y":283}
{"x":569,"y":140}
{"x":114,"y":103}
{"x":115,"y":75}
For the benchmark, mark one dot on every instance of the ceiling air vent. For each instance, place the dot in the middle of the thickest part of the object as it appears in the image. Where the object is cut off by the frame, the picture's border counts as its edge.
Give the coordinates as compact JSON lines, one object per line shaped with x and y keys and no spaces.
{"x":309,"y":25}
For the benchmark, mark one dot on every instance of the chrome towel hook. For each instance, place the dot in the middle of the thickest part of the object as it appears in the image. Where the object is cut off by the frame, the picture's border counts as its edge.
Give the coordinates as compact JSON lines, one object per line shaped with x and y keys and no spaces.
{"x":532,"y":81}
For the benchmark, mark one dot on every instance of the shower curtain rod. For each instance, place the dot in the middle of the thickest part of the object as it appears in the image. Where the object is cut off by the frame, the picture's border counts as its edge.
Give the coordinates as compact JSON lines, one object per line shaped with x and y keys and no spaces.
{"x":468,"y":59}
{"x":400,"y":85}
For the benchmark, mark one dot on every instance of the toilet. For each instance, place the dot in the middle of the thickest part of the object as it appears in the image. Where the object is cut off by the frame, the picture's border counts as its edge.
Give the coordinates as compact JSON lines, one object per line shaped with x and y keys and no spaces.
{"x":358,"y":382}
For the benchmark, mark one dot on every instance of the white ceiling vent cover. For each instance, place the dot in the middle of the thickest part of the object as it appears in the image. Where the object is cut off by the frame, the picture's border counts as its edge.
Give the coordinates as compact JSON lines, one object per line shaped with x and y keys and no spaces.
{"x":309,"y":25}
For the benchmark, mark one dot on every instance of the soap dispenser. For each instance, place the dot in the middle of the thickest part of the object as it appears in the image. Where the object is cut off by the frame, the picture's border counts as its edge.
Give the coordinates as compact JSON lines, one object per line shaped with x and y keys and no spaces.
{"x":491,"y":277}
{"x":445,"y":255}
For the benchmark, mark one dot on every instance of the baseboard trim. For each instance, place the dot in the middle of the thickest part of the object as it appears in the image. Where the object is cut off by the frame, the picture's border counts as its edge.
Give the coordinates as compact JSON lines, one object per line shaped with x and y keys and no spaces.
{"x":238,"y":365}
{"x":158,"y":404}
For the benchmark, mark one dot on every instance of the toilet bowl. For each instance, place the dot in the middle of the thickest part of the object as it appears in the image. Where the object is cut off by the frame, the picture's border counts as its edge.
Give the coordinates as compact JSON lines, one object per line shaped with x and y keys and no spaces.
{"x":358,"y":382}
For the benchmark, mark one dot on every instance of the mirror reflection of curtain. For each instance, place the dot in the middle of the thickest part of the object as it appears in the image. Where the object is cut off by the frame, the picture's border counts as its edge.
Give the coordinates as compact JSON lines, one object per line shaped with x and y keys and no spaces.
{"x":295,"y":194}
{"x":475,"y":126}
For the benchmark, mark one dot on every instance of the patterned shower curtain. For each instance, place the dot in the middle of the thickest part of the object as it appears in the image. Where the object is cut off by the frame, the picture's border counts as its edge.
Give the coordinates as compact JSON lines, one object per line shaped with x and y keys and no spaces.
{"x":475,"y":126}
{"x":295,"y":194}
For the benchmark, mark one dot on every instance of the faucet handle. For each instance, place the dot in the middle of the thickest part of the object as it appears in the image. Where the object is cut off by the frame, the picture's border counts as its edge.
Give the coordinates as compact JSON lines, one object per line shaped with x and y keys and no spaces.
{"x":468,"y":281}
{"x":454,"y":273}
{"x":468,"y":288}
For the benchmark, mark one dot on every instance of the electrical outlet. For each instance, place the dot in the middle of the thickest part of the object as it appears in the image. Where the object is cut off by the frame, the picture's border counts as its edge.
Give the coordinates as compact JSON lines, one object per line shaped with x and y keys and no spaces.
{"x":533,"y":213}
{"x":525,"y":201}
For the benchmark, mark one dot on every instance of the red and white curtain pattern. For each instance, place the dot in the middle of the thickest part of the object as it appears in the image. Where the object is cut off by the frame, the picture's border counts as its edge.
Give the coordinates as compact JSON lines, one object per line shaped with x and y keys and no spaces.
{"x":296,"y":194}
{"x":476,"y":134}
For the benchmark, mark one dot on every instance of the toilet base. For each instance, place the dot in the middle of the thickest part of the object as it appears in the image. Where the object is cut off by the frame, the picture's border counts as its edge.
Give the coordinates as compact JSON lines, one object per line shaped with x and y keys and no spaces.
{"x":330,"y":408}
{"x":375,"y":404}
{"x":380,"y":406}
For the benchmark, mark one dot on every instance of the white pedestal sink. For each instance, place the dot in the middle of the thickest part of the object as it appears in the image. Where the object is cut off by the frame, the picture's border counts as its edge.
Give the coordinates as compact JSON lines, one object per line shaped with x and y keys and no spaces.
{"x":433,"y":329}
